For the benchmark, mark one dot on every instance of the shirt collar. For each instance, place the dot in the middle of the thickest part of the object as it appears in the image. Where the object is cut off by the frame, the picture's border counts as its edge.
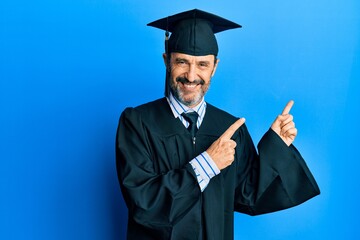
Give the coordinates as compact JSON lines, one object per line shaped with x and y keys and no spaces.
{"x":178,"y":108}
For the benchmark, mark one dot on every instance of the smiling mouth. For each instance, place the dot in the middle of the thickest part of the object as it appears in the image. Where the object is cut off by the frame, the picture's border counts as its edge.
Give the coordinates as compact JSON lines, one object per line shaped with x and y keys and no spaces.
{"x":190,"y":86}
{"x":185,"y":81}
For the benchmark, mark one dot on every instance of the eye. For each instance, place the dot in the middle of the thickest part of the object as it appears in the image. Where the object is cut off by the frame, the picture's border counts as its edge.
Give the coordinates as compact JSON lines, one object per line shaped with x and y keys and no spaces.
{"x":180,"y":62}
{"x":203,"y":64}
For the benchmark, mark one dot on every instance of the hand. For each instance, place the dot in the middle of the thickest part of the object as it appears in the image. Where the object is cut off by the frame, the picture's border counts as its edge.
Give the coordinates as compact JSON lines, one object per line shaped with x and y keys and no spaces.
{"x":222,"y":151}
{"x":284,"y":125}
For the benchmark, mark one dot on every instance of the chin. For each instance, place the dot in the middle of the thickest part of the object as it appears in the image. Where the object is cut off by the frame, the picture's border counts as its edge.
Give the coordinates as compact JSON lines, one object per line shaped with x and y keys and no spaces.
{"x":188,"y":99}
{"x":191,"y":101}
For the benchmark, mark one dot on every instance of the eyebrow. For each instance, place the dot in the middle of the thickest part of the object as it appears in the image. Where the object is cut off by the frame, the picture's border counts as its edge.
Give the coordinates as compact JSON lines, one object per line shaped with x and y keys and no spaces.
{"x":181,"y":59}
{"x":187,"y":61}
{"x":204,"y":61}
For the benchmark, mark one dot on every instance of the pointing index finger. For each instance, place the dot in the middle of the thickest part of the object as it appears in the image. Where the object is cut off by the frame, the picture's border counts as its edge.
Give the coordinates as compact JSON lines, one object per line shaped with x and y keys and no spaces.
{"x":232,"y":129}
{"x":288,"y":107}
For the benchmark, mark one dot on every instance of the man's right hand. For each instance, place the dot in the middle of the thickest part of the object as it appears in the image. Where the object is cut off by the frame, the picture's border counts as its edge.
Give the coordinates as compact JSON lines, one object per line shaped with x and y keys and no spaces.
{"x":222,"y":151}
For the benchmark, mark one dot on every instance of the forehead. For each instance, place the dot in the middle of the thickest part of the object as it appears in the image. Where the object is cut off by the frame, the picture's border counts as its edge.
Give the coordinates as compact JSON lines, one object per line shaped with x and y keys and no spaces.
{"x":188,"y":57}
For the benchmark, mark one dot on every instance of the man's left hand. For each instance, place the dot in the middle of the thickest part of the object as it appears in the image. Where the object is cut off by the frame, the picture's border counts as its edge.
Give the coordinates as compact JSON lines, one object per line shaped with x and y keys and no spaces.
{"x":284,"y":125}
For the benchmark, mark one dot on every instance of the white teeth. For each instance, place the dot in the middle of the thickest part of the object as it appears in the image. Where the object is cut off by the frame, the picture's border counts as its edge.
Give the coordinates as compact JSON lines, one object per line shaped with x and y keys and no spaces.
{"x":190,"y":85}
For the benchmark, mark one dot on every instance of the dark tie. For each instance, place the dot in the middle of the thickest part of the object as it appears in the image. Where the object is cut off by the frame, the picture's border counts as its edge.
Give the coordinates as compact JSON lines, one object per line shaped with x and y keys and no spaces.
{"x":191,"y":118}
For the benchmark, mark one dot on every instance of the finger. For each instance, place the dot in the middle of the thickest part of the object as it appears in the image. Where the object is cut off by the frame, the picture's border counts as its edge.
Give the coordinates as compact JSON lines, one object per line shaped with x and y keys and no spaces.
{"x":232,"y":129}
{"x":287,"y":119}
{"x":279,"y":121}
{"x":291,"y":133}
{"x":288,"y":107}
{"x":286,"y":128}
{"x":231,"y":144}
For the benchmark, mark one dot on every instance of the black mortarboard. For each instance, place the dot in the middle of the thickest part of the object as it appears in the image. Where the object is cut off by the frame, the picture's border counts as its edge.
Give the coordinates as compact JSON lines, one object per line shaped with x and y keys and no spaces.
{"x":193,"y":32}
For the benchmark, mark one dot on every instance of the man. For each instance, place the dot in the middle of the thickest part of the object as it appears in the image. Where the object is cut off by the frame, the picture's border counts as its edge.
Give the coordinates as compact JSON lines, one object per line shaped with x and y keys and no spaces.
{"x":185,"y":166}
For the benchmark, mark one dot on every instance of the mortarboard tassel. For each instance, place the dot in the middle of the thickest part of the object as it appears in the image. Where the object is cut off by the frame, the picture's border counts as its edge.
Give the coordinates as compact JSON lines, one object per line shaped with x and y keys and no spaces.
{"x":167,"y":86}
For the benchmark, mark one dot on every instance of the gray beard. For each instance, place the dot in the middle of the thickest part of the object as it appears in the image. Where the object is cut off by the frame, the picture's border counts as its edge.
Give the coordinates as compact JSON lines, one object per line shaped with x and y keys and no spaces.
{"x":176,"y":91}
{"x":179,"y":96}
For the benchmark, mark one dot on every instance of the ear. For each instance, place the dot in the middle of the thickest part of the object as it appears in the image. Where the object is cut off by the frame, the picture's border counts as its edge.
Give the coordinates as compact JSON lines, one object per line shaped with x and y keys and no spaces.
{"x":215,"y":66}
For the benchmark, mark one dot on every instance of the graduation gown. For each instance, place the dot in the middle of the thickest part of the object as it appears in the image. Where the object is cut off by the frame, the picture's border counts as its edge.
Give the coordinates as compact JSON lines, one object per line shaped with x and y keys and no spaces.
{"x":153,"y":150}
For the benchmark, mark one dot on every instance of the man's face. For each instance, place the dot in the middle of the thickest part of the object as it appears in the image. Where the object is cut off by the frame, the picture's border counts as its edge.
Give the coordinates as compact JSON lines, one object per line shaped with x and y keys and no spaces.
{"x":190,"y":76}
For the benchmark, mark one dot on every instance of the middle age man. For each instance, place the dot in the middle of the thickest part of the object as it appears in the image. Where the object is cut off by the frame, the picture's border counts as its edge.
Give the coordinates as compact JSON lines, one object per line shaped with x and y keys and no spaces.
{"x":185,"y":166}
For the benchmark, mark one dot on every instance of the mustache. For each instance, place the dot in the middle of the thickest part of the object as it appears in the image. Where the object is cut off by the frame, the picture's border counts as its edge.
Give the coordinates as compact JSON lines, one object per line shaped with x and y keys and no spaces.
{"x":184,"y":80}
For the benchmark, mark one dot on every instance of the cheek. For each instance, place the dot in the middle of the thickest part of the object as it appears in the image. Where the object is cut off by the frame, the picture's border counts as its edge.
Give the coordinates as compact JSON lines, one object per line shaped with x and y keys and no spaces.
{"x":205,"y":87}
{"x":176,"y":73}
{"x":207,"y":78}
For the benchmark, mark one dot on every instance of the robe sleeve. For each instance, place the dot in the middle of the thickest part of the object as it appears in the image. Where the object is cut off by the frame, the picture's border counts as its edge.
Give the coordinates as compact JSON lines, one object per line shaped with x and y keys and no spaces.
{"x":278,"y":178}
{"x":154,"y":199}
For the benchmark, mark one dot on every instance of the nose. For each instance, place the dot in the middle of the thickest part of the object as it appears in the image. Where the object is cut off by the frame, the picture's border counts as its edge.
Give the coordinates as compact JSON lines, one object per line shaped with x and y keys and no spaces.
{"x":191,"y":73}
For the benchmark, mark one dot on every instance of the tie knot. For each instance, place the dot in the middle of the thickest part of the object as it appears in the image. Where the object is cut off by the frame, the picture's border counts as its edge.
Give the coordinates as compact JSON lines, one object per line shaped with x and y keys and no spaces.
{"x":191,"y":117}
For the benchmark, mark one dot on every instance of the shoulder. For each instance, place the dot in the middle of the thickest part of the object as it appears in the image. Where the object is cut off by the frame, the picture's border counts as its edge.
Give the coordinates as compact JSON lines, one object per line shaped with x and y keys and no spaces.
{"x":153,"y":104}
{"x":148,"y":110}
{"x":219,"y":113}
{"x":156,"y":116}
{"x":217,"y":121}
{"x":219,"y":118}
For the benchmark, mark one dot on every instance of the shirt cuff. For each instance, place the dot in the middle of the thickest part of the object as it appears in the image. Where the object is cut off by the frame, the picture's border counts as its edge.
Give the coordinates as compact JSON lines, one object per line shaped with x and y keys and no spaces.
{"x":205,"y":169}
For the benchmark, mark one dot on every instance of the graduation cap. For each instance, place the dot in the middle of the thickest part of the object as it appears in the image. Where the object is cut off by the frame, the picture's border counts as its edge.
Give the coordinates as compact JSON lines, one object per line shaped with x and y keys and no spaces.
{"x":192,"y":32}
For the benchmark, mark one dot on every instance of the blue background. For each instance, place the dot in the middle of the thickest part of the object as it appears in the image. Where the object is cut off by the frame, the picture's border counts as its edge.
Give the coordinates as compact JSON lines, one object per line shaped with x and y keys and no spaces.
{"x":69,"y":68}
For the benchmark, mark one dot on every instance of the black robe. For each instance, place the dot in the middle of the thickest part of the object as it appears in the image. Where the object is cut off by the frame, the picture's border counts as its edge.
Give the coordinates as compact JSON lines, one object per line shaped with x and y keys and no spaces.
{"x":153,"y":150}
